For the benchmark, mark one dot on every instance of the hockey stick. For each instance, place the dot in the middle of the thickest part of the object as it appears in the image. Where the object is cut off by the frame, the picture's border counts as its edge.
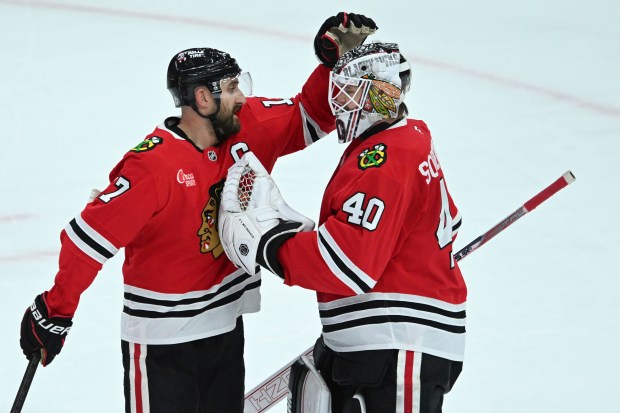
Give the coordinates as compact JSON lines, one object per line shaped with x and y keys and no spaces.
{"x":22,"y":392}
{"x":563,"y":181}
{"x":268,"y":393}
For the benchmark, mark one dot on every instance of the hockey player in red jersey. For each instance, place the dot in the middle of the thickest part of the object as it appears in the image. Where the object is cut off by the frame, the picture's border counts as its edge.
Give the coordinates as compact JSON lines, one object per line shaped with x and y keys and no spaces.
{"x":181,"y":325}
{"x":391,"y":297}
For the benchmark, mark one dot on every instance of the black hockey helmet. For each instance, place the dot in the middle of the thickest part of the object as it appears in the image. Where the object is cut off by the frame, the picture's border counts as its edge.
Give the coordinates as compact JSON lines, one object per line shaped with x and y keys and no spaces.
{"x":200,"y":66}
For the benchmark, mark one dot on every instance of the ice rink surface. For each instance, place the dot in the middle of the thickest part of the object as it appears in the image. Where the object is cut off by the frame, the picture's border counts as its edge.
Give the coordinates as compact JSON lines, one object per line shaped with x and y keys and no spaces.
{"x":515,"y":94}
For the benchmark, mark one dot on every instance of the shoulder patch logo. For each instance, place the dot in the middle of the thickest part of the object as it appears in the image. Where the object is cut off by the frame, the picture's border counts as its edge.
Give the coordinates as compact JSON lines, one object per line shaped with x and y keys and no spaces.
{"x":148,"y":144}
{"x":373,"y":157}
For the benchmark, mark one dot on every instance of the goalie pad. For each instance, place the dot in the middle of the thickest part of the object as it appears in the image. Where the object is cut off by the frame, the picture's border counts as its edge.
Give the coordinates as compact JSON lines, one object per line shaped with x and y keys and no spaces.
{"x":251,"y":207}
{"x":308,"y":392}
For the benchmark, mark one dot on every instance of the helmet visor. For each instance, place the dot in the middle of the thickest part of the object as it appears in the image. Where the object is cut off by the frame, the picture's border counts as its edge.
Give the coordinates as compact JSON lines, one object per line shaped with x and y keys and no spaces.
{"x":241,"y":83}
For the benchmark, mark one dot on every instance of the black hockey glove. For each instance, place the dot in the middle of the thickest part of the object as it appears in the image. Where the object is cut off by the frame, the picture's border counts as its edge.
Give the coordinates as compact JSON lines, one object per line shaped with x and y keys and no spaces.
{"x":270,"y":243}
{"x":39,"y":332}
{"x":341,"y":33}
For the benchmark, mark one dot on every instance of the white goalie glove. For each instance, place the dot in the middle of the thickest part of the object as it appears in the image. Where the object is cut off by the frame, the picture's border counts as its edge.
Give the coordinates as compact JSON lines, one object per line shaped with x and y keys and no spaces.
{"x":254,"y":220}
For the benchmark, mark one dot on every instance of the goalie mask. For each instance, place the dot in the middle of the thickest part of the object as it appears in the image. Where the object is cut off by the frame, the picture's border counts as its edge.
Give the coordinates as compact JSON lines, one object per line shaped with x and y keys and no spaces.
{"x":367,"y":85}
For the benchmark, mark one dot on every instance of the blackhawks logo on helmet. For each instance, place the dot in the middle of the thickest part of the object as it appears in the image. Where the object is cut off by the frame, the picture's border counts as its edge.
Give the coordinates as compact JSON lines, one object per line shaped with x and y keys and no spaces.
{"x":373,"y":157}
{"x":382,"y":98}
{"x":148,"y":144}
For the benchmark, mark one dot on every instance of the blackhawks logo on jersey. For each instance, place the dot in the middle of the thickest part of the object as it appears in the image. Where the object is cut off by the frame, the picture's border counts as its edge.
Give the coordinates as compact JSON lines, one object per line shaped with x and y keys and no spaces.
{"x":373,"y":157}
{"x":209,"y":237}
{"x":148,"y":144}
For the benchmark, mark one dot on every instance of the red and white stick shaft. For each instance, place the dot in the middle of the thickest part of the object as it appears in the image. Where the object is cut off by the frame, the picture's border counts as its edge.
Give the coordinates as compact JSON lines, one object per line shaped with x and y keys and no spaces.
{"x":563,"y":181}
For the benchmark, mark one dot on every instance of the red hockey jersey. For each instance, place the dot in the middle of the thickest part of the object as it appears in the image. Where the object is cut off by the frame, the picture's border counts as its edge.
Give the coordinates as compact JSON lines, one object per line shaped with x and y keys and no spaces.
{"x":161,"y":206}
{"x":381,"y":260}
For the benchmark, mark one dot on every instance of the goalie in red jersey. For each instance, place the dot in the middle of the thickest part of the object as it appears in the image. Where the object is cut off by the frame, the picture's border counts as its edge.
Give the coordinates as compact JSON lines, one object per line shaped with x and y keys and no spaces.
{"x":391,"y":296}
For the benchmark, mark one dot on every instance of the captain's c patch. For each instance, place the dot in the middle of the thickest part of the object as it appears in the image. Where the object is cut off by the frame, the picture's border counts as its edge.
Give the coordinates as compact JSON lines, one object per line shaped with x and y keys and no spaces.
{"x":373,"y":157}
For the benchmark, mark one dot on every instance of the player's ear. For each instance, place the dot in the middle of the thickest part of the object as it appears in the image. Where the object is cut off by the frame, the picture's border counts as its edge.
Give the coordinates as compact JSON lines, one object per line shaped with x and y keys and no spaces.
{"x":204,"y":100}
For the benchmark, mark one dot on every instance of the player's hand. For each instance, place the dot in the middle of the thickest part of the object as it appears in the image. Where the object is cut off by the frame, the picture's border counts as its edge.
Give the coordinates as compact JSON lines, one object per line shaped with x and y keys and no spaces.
{"x":341,"y":33}
{"x":254,"y":220}
{"x":39,"y":332}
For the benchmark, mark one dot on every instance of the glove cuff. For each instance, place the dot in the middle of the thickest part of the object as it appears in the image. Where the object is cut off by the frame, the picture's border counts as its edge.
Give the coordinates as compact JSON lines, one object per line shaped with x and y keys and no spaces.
{"x":271,"y":242}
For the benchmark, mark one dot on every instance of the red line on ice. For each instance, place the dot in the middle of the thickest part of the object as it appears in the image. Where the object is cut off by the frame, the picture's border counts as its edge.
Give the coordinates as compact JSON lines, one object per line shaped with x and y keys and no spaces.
{"x":503,"y":81}
{"x":15,"y":217}
{"x":28,"y":256}
{"x":153,"y":16}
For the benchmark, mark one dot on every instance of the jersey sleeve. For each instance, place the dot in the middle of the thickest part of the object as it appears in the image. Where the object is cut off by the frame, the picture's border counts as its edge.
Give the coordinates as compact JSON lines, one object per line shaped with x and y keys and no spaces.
{"x":105,"y":225}
{"x":289,"y":125}
{"x":350,"y":250}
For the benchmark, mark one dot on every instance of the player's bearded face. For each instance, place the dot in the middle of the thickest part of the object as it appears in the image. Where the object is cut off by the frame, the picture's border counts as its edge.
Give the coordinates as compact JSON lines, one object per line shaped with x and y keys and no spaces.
{"x":232,"y":100}
{"x":227,"y":118}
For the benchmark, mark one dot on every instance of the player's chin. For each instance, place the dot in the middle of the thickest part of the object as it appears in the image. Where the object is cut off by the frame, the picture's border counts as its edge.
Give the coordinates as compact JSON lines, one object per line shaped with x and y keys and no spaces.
{"x":234,"y":126}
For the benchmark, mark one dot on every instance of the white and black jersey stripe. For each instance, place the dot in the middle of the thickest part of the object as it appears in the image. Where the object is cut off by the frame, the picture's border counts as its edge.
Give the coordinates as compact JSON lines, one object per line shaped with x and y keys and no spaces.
{"x":456,"y":224}
{"x":151,"y":317}
{"x":341,"y":266}
{"x":391,"y":320}
{"x":312,"y":130}
{"x":89,"y":241}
